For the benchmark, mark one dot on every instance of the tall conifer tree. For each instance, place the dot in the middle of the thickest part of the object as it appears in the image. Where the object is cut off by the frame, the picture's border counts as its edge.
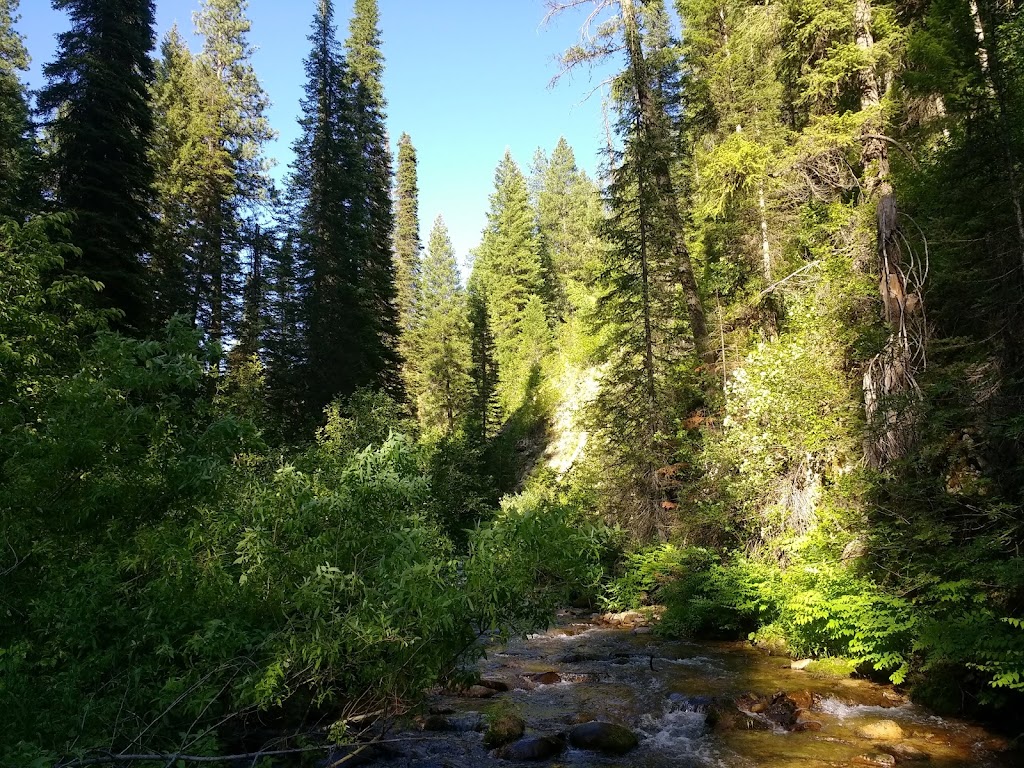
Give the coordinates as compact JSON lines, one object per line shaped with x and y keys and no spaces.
{"x":321,"y":188}
{"x":568,"y":213}
{"x":17,"y":171}
{"x":407,"y":248}
{"x":179,"y":152}
{"x":101,"y":123}
{"x":510,"y":271}
{"x":234,"y":180}
{"x":372,"y":215}
{"x":441,"y":343}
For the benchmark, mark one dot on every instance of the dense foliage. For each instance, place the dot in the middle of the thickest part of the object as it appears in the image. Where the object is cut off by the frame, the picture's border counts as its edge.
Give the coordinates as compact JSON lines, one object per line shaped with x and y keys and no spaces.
{"x":269,"y":469}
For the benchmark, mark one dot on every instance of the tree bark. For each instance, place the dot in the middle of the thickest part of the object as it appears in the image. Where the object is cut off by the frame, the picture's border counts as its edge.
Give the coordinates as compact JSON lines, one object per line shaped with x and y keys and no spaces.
{"x":890,"y":388}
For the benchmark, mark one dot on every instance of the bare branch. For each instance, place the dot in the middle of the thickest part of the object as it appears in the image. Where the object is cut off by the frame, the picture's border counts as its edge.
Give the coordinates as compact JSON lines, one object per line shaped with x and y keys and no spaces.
{"x":788,"y":277}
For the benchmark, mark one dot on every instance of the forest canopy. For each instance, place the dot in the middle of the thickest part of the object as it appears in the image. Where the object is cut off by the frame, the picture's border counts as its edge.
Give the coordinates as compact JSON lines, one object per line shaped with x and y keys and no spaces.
{"x":269,"y":455}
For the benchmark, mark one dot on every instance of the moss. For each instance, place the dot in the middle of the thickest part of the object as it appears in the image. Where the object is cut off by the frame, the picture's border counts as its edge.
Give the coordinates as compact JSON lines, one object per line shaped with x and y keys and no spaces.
{"x":832,"y":666}
{"x":504,"y":725}
{"x":771,"y":639}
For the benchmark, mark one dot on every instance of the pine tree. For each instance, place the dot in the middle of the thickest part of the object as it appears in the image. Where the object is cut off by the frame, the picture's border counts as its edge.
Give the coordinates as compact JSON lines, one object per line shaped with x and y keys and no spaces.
{"x":101,"y":124}
{"x":372,"y":216}
{"x":178,"y":154}
{"x":484,"y":415}
{"x":322,"y":188}
{"x":568,"y":213}
{"x":407,"y":248}
{"x":441,"y":342}
{"x":511,"y":274}
{"x":649,"y":299}
{"x":232,"y":169}
{"x":284,"y":339}
{"x":17,"y":156}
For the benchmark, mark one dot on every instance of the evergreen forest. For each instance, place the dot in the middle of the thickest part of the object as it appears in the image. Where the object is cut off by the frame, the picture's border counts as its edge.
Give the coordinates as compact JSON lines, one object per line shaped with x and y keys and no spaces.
{"x":272,"y":462}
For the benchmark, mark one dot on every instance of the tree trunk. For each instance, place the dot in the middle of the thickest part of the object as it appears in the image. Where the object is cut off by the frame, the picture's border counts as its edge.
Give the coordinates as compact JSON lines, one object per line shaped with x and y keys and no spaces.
{"x":890,"y":389}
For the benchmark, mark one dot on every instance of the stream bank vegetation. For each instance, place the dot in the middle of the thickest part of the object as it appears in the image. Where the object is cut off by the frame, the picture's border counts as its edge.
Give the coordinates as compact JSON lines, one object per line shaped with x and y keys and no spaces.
{"x":270,"y":468}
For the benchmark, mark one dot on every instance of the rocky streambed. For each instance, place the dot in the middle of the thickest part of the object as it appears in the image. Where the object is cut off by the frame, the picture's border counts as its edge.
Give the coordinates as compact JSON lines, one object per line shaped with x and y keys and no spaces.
{"x":587,"y":692}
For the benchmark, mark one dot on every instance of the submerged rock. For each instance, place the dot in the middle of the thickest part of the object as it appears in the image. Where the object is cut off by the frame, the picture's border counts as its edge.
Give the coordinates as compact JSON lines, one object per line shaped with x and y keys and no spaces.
{"x":906,"y":753}
{"x":544,"y":678}
{"x":477,"y":692}
{"x":725,"y":715}
{"x":875,"y":759}
{"x":683,"y":703}
{"x":504,"y":728}
{"x":608,"y":738}
{"x":434,"y":723}
{"x":495,"y":685}
{"x":779,"y":709}
{"x":882,"y":730}
{"x":533,"y":748}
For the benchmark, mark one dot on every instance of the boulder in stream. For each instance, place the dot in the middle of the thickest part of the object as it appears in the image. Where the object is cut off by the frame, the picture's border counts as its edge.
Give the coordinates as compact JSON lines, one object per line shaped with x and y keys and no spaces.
{"x":504,"y":728}
{"x":881,"y":730}
{"x":779,"y":709}
{"x":724,"y":715}
{"x":608,"y":738}
{"x":433,"y":723}
{"x":544,"y":678}
{"x":533,"y":748}
{"x":477,"y":692}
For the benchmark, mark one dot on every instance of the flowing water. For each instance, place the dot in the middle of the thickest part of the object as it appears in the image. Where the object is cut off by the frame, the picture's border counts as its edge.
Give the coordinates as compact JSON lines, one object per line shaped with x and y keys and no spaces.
{"x":663,"y":690}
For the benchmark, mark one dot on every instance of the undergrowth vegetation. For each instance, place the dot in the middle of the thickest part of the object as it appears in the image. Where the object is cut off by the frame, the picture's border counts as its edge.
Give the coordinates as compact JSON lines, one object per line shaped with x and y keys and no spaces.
{"x":167,"y":574}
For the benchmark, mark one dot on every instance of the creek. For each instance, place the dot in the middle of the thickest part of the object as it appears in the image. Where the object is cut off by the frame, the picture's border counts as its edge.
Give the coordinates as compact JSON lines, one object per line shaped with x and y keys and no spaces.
{"x":688,"y":704}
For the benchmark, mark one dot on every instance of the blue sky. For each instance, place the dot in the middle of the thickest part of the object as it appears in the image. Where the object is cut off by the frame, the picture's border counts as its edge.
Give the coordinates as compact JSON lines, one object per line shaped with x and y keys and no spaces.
{"x":465,"y":79}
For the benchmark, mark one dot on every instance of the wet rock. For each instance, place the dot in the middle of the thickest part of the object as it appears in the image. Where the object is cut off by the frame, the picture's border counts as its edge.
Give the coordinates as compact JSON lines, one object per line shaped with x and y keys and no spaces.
{"x":907,"y":753}
{"x":683,"y":703}
{"x":607,"y":738}
{"x":442,"y":710}
{"x":751,"y":702}
{"x":580,"y":678}
{"x":533,"y":748}
{"x":643,"y":630}
{"x":801,"y":664}
{"x":875,"y":759}
{"x":805,"y":721}
{"x":781,"y":710}
{"x":477,"y":692}
{"x":626,"y":619}
{"x":495,"y":685}
{"x":881,"y":730}
{"x":893,"y":699}
{"x":467,"y":723}
{"x":807,"y":725}
{"x":724,"y":715}
{"x":544,"y":678}
{"x":504,"y":728}
{"x":572,"y":658}
{"x":433,"y":723}
{"x":802,"y":699}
